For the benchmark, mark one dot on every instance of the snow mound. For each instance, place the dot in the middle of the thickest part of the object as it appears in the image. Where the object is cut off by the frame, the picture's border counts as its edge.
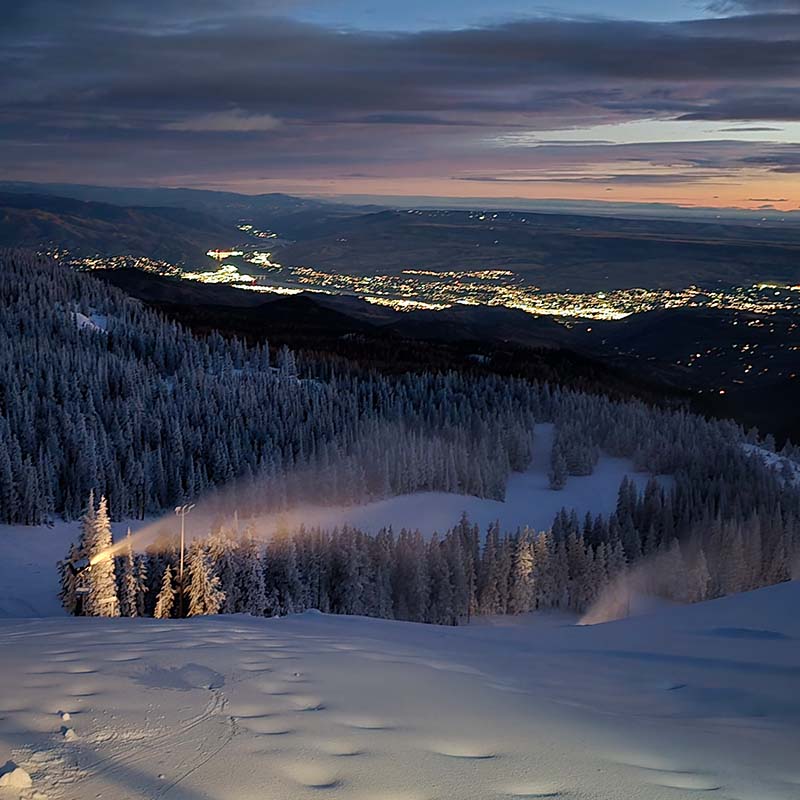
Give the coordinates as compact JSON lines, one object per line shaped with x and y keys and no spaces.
{"x":69,"y":734}
{"x":14,"y":777}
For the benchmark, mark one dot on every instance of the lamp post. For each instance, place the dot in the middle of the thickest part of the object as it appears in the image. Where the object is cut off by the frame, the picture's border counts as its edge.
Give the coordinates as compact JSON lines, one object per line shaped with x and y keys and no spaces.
{"x":182,"y":511}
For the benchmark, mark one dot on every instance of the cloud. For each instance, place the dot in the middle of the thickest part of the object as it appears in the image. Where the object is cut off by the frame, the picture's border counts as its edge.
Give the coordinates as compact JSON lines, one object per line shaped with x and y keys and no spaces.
{"x":753,"y":6}
{"x":784,"y":160}
{"x":159,"y":85}
{"x":622,"y":178}
{"x":233,"y":121}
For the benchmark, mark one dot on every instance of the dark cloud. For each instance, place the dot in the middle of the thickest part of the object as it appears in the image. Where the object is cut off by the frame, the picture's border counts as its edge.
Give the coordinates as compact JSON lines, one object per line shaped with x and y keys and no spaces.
{"x":624,"y":178}
{"x":169,"y":83}
{"x":785,"y":161}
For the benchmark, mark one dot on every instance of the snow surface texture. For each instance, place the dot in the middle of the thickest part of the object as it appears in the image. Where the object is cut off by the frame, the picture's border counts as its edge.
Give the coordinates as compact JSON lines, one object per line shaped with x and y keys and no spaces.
{"x":688,"y":702}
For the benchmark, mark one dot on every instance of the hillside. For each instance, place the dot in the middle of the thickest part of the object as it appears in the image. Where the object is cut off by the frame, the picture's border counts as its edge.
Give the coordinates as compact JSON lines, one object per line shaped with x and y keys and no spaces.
{"x":680,"y":354}
{"x":90,"y":228}
{"x":556,"y":252}
{"x":292,"y":216}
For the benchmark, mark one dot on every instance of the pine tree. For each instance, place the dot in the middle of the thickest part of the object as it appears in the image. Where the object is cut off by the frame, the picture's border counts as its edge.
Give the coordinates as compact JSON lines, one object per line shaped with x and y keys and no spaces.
{"x":141,"y":586}
{"x":129,"y":582}
{"x":489,"y":592}
{"x":223,"y":556}
{"x":698,"y":579}
{"x":441,"y":606}
{"x":544,"y":576}
{"x":522,"y":591}
{"x":68,"y":579}
{"x":558,"y":470}
{"x":101,"y":598}
{"x":205,"y":596}
{"x":252,"y":598}
{"x":165,"y":601}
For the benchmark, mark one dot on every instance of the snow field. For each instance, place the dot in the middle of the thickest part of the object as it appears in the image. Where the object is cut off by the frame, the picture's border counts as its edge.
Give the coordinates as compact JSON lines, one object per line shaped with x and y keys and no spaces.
{"x":684,"y":703}
{"x":529,"y":500}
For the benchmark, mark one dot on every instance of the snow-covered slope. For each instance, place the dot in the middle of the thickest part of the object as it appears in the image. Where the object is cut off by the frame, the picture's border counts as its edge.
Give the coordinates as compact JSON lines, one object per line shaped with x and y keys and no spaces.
{"x":28,"y":572}
{"x":687,"y":702}
{"x":529,"y":500}
{"x":28,"y":578}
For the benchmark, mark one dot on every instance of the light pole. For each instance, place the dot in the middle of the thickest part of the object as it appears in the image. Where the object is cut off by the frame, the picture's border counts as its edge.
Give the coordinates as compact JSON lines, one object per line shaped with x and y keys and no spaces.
{"x":182,"y":511}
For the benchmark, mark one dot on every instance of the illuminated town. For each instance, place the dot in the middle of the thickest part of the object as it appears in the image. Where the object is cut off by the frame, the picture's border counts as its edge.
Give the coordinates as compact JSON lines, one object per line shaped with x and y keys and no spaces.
{"x":418,"y":288}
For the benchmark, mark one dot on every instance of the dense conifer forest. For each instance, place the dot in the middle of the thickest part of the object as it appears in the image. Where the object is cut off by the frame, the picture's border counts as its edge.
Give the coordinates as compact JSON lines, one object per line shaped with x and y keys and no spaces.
{"x":99,"y":394}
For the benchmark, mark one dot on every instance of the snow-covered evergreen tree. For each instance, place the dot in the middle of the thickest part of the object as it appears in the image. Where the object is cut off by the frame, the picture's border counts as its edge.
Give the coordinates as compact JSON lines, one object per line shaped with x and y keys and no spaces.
{"x":141,"y":586}
{"x":205,"y":595}
{"x":251,"y":593}
{"x":101,"y":597}
{"x":522,"y":587}
{"x":129,"y":582}
{"x":68,"y":579}
{"x":165,"y":601}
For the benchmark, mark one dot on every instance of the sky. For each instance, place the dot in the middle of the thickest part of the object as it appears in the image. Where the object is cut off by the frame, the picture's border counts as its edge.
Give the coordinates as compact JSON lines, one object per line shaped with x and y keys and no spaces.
{"x":689,"y":102}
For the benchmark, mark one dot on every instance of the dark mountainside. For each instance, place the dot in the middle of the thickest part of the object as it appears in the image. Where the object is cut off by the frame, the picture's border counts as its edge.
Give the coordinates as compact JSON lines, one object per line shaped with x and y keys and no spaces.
{"x":90,"y":228}
{"x":294,"y":217}
{"x":635,"y":356}
{"x":686,"y":352}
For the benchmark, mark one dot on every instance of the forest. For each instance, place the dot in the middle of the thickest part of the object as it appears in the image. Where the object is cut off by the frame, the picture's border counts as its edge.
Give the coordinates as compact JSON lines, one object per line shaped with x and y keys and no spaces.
{"x":101,"y":395}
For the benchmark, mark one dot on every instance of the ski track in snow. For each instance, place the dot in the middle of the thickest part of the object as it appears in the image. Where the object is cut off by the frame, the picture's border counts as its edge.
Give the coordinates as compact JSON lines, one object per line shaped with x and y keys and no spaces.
{"x":678,"y":704}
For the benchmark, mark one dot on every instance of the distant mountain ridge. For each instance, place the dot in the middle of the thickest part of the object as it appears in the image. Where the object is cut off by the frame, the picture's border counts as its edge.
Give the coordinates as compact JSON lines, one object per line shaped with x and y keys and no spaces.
{"x":87,"y":228}
{"x":287,"y":214}
{"x":556,"y":252}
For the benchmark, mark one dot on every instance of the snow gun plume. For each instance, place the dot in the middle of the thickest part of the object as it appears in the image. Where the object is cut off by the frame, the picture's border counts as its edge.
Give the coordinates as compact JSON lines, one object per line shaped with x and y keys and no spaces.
{"x":669,"y":576}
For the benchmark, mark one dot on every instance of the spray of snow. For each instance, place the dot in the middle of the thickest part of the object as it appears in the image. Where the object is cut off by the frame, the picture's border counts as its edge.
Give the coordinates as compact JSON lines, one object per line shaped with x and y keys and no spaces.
{"x":529,"y":501}
{"x":637,"y":591}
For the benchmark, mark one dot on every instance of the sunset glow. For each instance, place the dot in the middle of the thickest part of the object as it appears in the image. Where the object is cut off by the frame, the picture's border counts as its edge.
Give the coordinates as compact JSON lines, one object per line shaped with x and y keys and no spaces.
{"x":687,"y":104}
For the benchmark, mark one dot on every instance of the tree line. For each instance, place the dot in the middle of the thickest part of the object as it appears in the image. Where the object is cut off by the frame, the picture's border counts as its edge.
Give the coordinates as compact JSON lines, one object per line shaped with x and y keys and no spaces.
{"x":442,"y":580}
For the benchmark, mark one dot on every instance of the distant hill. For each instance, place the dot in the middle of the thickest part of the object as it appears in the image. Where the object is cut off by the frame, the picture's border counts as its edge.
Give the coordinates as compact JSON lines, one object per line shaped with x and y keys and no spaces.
{"x":291,"y":217}
{"x":557,"y":252}
{"x":89,"y":228}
